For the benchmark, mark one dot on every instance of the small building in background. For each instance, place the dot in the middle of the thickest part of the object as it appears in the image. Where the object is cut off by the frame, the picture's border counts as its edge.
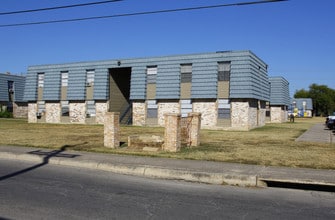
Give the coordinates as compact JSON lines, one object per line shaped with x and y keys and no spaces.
{"x":301,"y":107}
{"x":11,"y":95}
{"x":279,"y":99}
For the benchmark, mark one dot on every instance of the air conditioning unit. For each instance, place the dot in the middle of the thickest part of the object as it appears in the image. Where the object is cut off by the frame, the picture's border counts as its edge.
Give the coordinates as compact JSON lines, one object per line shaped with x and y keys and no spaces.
{"x":39,"y":115}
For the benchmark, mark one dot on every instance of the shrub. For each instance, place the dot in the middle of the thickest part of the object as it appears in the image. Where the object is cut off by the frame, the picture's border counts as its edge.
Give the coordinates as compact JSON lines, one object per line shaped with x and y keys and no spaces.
{"x":6,"y":114}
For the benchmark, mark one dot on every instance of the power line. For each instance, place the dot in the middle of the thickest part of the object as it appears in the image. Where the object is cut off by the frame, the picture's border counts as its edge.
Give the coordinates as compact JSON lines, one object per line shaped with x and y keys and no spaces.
{"x":58,"y":7}
{"x":142,"y":13}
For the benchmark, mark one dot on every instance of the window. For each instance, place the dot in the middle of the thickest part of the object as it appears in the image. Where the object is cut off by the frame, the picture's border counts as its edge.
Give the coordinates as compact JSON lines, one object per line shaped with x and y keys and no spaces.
{"x":90,"y":108}
{"x":90,"y":77}
{"x":185,"y":107}
{"x":10,"y":90}
{"x":151,"y":74}
{"x":152,"y":109}
{"x":65,"y":108}
{"x":186,"y":73}
{"x":224,"y":108}
{"x":40,"y":80}
{"x":65,"y":77}
{"x":224,"y":71}
{"x":10,"y":86}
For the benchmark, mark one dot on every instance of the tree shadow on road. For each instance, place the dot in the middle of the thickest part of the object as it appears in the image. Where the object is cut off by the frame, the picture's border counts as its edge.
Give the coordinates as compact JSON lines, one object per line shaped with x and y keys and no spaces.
{"x":46,"y":158}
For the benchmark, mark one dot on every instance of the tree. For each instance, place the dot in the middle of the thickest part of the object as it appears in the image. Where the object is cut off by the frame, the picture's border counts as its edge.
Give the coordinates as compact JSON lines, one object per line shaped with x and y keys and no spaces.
{"x":301,"y":94}
{"x":322,"y":96}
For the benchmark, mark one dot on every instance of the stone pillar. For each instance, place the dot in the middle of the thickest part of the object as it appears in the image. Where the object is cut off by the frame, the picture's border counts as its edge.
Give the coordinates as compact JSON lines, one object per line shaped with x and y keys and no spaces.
{"x":165,"y":108}
{"x":209,"y":112}
{"x":77,"y":112}
{"x":20,"y":110}
{"x":172,"y":136}
{"x":139,"y":113}
{"x":100,"y":108}
{"x":194,"y":120}
{"x":278,"y":114}
{"x":275,"y":116}
{"x":240,"y":114}
{"x":53,"y":112}
{"x":112,"y":130}
{"x":32,"y":110}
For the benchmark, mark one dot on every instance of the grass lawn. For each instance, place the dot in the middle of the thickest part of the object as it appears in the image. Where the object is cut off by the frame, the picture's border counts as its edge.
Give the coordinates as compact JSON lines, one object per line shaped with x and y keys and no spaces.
{"x":272,"y":144}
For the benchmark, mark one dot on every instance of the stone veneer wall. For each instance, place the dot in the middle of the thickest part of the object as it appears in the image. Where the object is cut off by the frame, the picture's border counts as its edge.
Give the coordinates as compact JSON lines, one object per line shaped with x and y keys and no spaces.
{"x":139,"y":111}
{"x":20,"y":110}
{"x":209,"y":113}
{"x":172,"y":133}
{"x":192,"y":133}
{"x":278,"y":114}
{"x":100,"y":110}
{"x":166,"y":107}
{"x":112,"y":129}
{"x":239,"y":114}
{"x":284,"y":115}
{"x":247,"y":114}
{"x":32,"y":110}
{"x":77,"y":112}
{"x":52,"y":112}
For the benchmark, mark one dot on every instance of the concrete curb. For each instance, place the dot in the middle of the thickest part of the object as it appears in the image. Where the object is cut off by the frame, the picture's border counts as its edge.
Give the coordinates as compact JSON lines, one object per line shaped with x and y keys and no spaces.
{"x":192,"y":171}
{"x":146,"y":171}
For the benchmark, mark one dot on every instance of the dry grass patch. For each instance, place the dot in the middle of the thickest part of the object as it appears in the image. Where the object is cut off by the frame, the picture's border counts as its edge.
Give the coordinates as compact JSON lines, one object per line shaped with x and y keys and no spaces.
{"x":273,"y":144}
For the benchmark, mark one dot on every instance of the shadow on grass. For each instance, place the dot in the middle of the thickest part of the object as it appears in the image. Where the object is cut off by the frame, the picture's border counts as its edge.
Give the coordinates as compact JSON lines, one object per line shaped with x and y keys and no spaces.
{"x":46,"y":158}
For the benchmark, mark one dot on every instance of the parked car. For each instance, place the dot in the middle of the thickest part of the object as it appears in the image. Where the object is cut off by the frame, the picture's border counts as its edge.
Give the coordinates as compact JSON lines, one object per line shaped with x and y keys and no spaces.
{"x":330,"y":122}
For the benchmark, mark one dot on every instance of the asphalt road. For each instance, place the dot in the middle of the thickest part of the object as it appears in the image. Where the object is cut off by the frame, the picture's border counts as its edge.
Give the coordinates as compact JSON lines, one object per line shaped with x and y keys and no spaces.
{"x":56,"y":192}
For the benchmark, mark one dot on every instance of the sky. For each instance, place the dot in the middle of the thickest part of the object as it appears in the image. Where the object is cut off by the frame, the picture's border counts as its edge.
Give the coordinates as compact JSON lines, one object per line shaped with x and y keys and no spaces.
{"x":296,"y":38}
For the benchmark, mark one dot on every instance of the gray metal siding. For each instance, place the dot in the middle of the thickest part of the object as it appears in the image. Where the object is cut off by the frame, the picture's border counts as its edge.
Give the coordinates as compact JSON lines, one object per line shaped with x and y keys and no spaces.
{"x":204,"y":75}
{"x":76,"y":82}
{"x":30,"y":89}
{"x":138,"y":83}
{"x":19,"y":83}
{"x":168,"y":81}
{"x":260,"y":79}
{"x":3,"y":88}
{"x":248,"y":76}
{"x":76,"y":86}
{"x":101,"y":84}
{"x":279,"y":94}
{"x":204,"y":79}
{"x":52,"y":85}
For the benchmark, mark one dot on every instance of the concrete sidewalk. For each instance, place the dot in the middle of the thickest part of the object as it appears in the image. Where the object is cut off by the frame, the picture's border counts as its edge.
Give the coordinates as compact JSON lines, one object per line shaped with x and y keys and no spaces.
{"x":318,"y":133}
{"x":188,"y":170}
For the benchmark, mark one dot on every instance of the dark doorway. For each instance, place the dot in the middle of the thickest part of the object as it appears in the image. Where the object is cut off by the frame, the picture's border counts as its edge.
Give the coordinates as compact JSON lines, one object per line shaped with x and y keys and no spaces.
{"x":119,"y":93}
{"x":10,"y":96}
